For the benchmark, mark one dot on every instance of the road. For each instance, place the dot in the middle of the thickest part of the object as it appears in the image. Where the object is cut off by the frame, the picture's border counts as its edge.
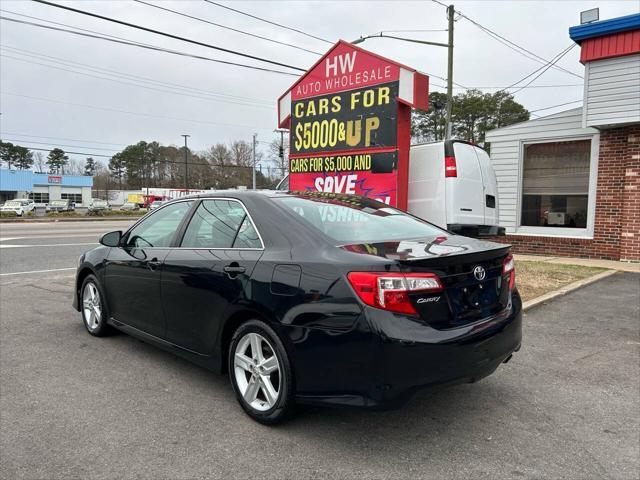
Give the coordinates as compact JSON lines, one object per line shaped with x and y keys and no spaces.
{"x":27,"y":247}
{"x":75,"y":406}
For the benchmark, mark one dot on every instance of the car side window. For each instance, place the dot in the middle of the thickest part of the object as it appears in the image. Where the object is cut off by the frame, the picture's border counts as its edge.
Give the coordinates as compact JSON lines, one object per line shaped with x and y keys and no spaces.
{"x":221,"y":224}
{"x":159,"y":228}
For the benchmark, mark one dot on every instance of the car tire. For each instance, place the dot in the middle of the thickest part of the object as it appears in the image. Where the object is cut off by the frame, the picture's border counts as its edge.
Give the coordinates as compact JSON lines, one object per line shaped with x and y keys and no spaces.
{"x":255,"y":377}
{"x":93,"y":307}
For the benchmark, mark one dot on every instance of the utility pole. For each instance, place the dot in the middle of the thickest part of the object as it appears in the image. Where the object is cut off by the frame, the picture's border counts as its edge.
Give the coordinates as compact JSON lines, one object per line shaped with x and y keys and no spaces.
{"x":450,"y":14}
{"x":186,"y":166}
{"x":449,"y":46}
{"x":255,"y":139}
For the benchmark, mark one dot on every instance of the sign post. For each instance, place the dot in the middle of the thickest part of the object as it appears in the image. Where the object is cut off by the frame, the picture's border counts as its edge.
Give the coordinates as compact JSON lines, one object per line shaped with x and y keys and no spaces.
{"x":349,"y":118}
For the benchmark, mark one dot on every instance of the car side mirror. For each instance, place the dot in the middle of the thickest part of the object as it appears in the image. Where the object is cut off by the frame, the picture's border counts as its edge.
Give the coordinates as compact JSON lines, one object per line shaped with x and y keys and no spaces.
{"x":111,"y":239}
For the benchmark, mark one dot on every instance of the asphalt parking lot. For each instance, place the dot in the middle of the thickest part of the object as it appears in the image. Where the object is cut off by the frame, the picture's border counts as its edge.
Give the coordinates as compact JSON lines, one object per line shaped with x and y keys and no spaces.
{"x":75,"y":406}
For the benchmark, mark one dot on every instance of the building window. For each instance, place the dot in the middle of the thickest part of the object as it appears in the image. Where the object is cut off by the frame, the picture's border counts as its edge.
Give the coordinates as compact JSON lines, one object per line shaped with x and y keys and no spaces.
{"x":555,"y":184}
{"x":72,"y":197}
{"x":39,"y":197}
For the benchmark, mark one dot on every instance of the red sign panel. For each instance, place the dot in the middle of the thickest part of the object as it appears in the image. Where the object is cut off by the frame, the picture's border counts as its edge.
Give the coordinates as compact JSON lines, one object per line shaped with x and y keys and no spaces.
{"x":345,"y":68}
{"x":349,"y":117}
{"x":54,"y":179}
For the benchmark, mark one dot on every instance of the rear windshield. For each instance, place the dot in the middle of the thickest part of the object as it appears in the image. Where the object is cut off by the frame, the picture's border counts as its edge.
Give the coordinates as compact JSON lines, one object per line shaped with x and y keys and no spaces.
{"x":349,"y":219}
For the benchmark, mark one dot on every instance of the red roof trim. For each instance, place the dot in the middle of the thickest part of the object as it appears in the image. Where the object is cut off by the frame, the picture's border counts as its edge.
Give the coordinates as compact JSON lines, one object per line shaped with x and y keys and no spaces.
{"x":610,"y":46}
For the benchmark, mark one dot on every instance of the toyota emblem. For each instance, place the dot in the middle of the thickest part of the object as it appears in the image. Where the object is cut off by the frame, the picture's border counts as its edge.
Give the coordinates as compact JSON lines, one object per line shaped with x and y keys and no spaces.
{"x":479,"y":273}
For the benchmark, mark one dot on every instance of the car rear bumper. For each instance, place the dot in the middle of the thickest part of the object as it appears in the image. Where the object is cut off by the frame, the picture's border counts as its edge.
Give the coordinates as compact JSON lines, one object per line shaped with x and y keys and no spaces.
{"x":409,"y":355}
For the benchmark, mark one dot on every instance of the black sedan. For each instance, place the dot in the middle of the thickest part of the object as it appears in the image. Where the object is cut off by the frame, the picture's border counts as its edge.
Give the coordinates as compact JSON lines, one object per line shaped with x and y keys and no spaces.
{"x":306,"y":297}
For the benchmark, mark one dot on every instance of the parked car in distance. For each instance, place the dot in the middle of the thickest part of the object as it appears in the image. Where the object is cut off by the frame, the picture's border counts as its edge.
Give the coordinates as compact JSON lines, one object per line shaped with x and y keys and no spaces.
{"x":306,"y":297}
{"x":130,"y":207}
{"x":18,"y":206}
{"x":98,"y":204}
{"x":59,"y":206}
{"x":155,"y":204}
{"x":451,"y":184}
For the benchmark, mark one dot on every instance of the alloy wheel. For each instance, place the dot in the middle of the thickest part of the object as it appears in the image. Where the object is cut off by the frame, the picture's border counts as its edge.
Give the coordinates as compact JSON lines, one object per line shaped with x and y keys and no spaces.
{"x":91,"y":308}
{"x":257,"y":371}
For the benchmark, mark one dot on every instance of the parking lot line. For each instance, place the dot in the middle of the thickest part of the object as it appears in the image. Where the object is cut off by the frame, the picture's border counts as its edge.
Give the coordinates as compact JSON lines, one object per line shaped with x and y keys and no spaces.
{"x":37,"y":271}
{"x":47,"y":245}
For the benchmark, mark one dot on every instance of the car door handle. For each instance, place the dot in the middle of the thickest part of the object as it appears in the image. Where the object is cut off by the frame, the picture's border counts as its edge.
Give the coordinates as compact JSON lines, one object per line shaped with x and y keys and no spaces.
{"x":154,"y":263}
{"x":233,"y":269}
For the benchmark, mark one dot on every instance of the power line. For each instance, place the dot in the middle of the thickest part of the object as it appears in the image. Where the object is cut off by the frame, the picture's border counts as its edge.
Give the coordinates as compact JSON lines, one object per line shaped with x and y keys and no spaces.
{"x":168,"y":35}
{"x":269,"y":22}
{"x":135,"y":84}
{"x":512,"y":45}
{"x":414,"y":31}
{"x":554,"y":106}
{"x":60,"y":138}
{"x":74,"y":64}
{"x":63,"y":145}
{"x":146,"y":46}
{"x":37,"y":149}
{"x":530,"y":86}
{"x":107,"y":109}
{"x":543,"y":70}
{"x":182,"y":14}
{"x":162,"y":161}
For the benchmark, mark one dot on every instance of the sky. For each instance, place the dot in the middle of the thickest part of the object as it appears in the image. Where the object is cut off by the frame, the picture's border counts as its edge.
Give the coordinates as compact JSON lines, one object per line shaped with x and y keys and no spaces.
{"x":51,"y":94}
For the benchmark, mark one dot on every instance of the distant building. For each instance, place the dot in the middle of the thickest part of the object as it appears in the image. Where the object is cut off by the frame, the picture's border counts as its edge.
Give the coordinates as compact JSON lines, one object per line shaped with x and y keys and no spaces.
{"x":569,"y":183}
{"x":44,"y":187}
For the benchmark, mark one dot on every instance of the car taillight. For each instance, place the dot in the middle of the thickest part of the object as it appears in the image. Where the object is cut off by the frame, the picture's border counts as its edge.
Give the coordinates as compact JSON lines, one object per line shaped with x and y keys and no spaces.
{"x":450,"y":167}
{"x":509,"y":268}
{"x":390,"y":291}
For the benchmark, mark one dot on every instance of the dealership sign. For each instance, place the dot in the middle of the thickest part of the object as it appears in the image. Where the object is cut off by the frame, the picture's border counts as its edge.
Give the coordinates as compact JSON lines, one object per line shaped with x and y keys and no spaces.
{"x":350,"y":124}
{"x":54,"y":179}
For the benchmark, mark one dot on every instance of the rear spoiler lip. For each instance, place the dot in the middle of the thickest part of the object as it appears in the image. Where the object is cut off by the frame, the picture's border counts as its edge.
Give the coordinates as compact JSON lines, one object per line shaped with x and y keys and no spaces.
{"x":485,"y":254}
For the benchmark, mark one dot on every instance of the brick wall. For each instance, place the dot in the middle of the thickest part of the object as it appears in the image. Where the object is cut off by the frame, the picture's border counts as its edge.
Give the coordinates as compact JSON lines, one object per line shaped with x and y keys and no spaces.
{"x":617,"y":217}
{"x":630,"y":236}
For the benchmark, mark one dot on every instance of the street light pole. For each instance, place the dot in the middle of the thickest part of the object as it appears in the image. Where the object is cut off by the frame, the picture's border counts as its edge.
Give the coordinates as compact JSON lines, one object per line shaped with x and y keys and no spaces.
{"x":449,"y":46}
{"x":186,"y":167}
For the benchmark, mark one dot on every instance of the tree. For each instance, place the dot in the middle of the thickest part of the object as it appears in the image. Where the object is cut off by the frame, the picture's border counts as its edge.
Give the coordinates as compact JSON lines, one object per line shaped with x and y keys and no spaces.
{"x":474,"y":113}
{"x":90,"y":166}
{"x":56,"y":160}
{"x":23,"y":157}
{"x":38,"y":162}
{"x":117,"y":167}
{"x":430,"y":126}
{"x":8,"y":153}
{"x":277,"y":154}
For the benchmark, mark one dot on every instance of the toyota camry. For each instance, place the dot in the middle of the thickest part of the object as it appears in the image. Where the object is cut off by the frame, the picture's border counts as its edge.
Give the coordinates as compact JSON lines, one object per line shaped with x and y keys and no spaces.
{"x":306,"y":297}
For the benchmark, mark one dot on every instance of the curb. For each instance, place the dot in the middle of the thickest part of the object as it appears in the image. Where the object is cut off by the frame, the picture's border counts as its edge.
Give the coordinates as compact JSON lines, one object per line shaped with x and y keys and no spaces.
{"x":566,"y":289}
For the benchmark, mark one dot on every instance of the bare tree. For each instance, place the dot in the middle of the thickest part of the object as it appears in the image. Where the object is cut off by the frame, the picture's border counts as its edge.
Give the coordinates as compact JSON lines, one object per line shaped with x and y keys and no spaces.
{"x":39,"y":162}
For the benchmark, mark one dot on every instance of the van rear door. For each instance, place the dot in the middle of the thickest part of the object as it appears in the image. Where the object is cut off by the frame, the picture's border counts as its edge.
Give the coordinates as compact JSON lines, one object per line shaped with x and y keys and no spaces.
{"x":490,"y":188}
{"x":465,"y":193}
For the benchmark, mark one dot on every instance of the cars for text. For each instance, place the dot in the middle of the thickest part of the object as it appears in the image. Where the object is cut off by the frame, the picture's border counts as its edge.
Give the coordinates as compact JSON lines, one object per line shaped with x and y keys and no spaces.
{"x":306,"y":298}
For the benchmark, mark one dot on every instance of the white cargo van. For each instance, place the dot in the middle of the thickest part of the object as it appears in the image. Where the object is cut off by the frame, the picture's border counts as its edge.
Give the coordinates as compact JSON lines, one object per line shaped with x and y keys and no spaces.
{"x":451,"y":184}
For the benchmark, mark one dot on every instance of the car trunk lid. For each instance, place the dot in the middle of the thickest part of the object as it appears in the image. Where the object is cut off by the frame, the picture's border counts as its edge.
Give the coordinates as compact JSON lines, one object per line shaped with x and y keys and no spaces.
{"x":470,"y":271}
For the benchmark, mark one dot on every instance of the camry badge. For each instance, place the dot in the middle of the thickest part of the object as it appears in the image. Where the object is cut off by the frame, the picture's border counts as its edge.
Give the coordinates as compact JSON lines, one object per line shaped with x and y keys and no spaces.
{"x":428,"y":299}
{"x":479,"y":273}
